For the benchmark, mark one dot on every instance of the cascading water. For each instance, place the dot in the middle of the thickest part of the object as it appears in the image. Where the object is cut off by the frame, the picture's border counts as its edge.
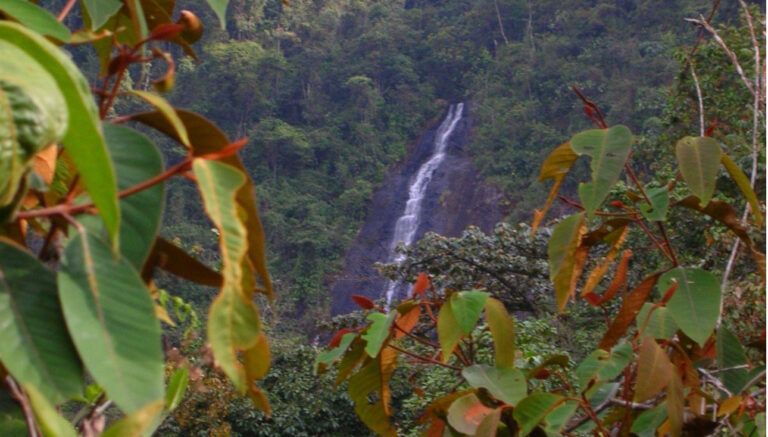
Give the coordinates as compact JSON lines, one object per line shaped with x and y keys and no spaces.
{"x":408,"y":223}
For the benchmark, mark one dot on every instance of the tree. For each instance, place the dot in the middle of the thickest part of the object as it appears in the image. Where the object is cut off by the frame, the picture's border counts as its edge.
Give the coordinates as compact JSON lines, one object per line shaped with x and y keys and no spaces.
{"x":81,"y":199}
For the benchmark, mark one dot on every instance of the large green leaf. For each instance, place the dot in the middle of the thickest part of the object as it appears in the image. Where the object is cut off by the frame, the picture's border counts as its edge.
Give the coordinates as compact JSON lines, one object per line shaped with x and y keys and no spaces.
{"x":532,"y":410}
{"x":502,"y":327}
{"x":206,"y":138}
{"x":448,"y":330}
{"x":507,"y":385}
{"x":110,"y":316}
{"x":695,"y":306}
{"x":48,"y":419}
{"x":657,"y":324}
{"x":35,"y":348}
{"x":233,"y":321}
{"x":467,"y":307}
{"x":609,"y":150}
{"x":699,"y":162}
{"x":467,"y":413}
{"x":136,"y":160}
{"x":35,"y":18}
{"x":220,"y":7}
{"x":83,"y":139}
{"x":100,"y":11}
{"x":730,"y":354}
{"x":377,"y":332}
{"x":561,"y":251}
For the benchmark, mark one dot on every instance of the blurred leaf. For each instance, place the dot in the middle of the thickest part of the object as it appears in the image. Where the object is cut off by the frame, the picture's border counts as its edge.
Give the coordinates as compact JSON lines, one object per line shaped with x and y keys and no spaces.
{"x":730,"y":353}
{"x":258,"y":359}
{"x":388,"y":363}
{"x":728,"y":406}
{"x":599,"y":271}
{"x":111,"y":319}
{"x":657,"y":210}
{"x":699,"y":162}
{"x":745,"y":186}
{"x":139,"y":423}
{"x":648,"y":421}
{"x":83,"y":139}
{"x":532,"y":410}
{"x":136,"y":159}
{"x":169,"y":112}
{"x":609,"y":150}
{"x":658,"y":324}
{"x":206,"y":138}
{"x":233,"y":321}
{"x":559,"y":417}
{"x":100,"y":11}
{"x":555,"y":166}
{"x":177,"y":388}
{"x":604,"y":366}
{"x":35,"y":18}
{"x":220,"y":8}
{"x":167,"y":256}
{"x":561,"y":251}
{"x":35,"y":347}
{"x":328,"y":357}
{"x":507,"y":385}
{"x":489,"y":426}
{"x":675,"y":405}
{"x":653,"y":370}
{"x":448,"y":330}
{"x":467,"y":307}
{"x":407,"y":321}
{"x":466,"y":413}
{"x":377,"y":332}
{"x":502,"y":326}
{"x":631,"y":305}
{"x":695,"y":306}
{"x":362,"y":386}
{"x":48,"y":419}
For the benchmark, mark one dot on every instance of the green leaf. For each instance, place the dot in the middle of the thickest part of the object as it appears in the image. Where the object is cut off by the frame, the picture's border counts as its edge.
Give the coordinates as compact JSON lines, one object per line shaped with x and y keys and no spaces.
{"x":12,"y":423}
{"x":177,"y":387}
{"x":565,"y":239}
{"x":604,"y":366}
{"x":609,"y":150}
{"x":377,"y":332}
{"x":48,"y":419}
{"x":206,"y":138}
{"x":100,"y":11}
{"x":657,"y":210}
{"x":83,"y":139}
{"x":35,"y":18}
{"x":699,"y":162}
{"x":111,"y":318}
{"x":502,"y":326}
{"x":35,"y":348}
{"x":559,"y":417}
{"x":233,"y":321}
{"x":364,"y":386}
{"x":139,"y":423}
{"x":745,"y":186}
{"x":448,"y":331}
{"x":220,"y":8}
{"x":648,"y":421}
{"x":731,"y":354}
{"x":654,"y":370}
{"x":136,"y":160}
{"x":533,"y":409}
{"x":466,"y":413}
{"x":328,"y":357}
{"x":507,"y":385}
{"x":659,"y":325}
{"x":695,"y":306}
{"x":466,"y":307}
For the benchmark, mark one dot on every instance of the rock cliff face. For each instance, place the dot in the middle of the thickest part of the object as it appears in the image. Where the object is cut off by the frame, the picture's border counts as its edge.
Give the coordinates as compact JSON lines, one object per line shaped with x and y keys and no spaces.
{"x":456,"y":198}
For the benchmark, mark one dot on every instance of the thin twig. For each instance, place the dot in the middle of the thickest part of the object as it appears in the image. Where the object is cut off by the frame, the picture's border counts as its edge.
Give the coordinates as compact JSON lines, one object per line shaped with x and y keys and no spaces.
{"x":423,"y":358}
{"x":65,"y":10}
{"x":21,"y":398}
{"x":700,"y":99}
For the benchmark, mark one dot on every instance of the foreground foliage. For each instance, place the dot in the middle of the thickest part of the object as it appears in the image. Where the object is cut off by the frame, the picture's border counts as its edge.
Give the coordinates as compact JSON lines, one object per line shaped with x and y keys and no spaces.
{"x":81,"y":200}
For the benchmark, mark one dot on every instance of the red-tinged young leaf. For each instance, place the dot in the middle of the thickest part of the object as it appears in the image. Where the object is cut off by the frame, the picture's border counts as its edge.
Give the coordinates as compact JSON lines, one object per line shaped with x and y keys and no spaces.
{"x":421,"y":285}
{"x":542,"y":374}
{"x":363,"y":302}
{"x":388,"y":363}
{"x":562,"y":250}
{"x":166,"y":32}
{"x":631,"y":305}
{"x":669,"y":293}
{"x":406,"y":322}
{"x":466,"y":413}
{"x":502,"y":327}
{"x":593,"y":299}
{"x":436,"y":428}
{"x":336,"y":339}
{"x":227,"y":151}
{"x":675,"y":405}
{"x":193,"y":28}
{"x":654,"y":370}
{"x":597,"y":274}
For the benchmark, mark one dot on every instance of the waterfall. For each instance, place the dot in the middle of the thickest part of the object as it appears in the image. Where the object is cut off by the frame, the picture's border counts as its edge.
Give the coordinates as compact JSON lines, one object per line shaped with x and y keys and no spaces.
{"x":408,"y":223}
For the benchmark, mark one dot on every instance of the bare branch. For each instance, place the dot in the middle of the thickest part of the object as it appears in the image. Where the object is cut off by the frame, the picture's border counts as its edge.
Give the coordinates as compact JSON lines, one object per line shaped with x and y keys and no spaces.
{"x":700,"y":98}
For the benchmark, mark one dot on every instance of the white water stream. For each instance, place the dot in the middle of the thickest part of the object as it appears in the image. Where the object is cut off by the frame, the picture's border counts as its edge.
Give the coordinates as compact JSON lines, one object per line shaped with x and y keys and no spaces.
{"x":408,"y":223}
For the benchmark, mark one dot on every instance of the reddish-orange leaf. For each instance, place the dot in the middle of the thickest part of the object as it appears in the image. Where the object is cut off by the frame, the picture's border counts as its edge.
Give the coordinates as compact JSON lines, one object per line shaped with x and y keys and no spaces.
{"x":226,"y":151}
{"x":653,"y":370}
{"x":629,"y":309}
{"x":592,"y":299}
{"x":421,"y":284}
{"x":618,"y":283}
{"x":363,"y":302}
{"x":407,"y":321}
{"x":541,"y":374}
{"x":166,"y":31}
{"x":669,"y":293}
{"x":337,"y":337}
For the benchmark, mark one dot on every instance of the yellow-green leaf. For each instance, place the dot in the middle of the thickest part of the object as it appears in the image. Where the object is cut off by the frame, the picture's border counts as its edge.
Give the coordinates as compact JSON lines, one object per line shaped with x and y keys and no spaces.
{"x":448,"y":330}
{"x":139,"y":423}
{"x":502,"y":326}
{"x":653,"y":370}
{"x":48,"y":419}
{"x":555,"y":166}
{"x":467,"y":307}
{"x":561,"y":251}
{"x":742,"y":182}
{"x":699,"y":162}
{"x":168,"y":112}
{"x":35,"y":18}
